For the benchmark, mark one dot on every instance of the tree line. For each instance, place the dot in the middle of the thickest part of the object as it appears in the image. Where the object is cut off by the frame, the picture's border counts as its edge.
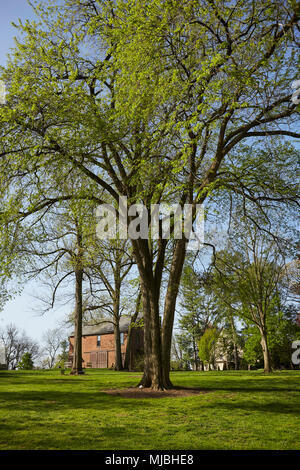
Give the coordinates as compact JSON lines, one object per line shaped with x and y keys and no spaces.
{"x":241,"y":308}
{"x":23,"y":352}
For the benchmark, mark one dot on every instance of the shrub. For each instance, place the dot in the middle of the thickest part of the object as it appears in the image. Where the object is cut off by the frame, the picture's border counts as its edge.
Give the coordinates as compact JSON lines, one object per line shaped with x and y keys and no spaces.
{"x":26,"y":362}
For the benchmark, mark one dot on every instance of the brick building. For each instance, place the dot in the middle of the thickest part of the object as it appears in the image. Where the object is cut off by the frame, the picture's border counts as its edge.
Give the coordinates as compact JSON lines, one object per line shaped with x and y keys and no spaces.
{"x":98,"y":345}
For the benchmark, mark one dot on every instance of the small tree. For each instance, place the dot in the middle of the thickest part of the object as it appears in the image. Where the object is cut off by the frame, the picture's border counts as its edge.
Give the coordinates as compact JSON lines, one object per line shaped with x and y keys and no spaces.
{"x":252,"y":351}
{"x":63,"y":356}
{"x":16,"y":343}
{"x":53,"y":340}
{"x":26,"y":362}
{"x":199,"y":311}
{"x":207,"y":346}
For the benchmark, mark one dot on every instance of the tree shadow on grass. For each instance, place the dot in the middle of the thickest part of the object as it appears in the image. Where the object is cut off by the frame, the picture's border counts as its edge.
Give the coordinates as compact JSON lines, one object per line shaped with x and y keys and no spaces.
{"x":268,"y":384}
{"x":253,"y":389}
{"x":62,"y":400}
{"x":84,"y":392}
{"x":253,"y":406}
{"x":47,"y":401}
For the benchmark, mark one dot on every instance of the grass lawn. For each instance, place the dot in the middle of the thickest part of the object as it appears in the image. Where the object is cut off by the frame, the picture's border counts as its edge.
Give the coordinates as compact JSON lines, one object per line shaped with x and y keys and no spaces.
{"x":241,"y":410}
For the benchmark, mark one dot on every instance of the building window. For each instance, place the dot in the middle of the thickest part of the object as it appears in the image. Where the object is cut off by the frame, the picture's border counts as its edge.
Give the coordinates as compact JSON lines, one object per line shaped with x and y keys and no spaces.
{"x":122,"y":338}
{"x":98,"y":340}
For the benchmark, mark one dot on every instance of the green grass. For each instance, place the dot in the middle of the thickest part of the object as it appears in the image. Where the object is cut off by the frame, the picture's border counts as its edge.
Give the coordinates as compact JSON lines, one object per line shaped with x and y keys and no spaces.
{"x":242,"y":410}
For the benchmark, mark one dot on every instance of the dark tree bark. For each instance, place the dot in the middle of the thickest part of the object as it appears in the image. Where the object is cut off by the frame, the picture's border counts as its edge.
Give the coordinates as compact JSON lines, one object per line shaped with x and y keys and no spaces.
{"x":266,"y":352}
{"x":169,"y":310}
{"x":153,"y":373}
{"x":146,"y":380}
{"x":127,"y":360}
{"x":118,"y":364}
{"x":235,"y":347}
{"x":117,"y":291}
{"x":77,"y":356}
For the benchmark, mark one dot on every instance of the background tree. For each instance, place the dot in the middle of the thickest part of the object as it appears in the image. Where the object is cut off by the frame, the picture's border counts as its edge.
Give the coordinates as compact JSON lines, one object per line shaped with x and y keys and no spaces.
{"x":108,"y":274}
{"x":52,"y":344}
{"x":232,"y":340}
{"x":59,"y":247}
{"x":282,"y":331}
{"x":248,"y":275}
{"x":199,"y":311}
{"x":16,"y":344}
{"x":252,"y":352}
{"x":26,"y":362}
{"x":178,"y":361}
{"x":135,"y":322}
{"x":207,"y":346}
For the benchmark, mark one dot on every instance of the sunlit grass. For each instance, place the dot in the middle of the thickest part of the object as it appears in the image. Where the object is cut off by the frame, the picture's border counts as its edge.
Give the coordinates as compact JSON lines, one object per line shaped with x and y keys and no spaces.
{"x":241,"y":410}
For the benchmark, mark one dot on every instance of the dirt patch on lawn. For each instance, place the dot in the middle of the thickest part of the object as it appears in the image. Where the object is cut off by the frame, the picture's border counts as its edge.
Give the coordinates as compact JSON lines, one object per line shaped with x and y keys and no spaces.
{"x":136,"y":392}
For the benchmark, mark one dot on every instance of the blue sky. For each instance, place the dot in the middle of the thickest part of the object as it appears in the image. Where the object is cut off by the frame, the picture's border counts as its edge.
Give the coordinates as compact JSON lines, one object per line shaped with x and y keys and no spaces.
{"x":23,"y":310}
{"x":10,"y":11}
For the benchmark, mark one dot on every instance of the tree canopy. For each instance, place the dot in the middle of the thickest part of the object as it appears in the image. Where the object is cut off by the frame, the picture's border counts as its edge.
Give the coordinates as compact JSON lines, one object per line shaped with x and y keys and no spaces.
{"x":158,"y":103}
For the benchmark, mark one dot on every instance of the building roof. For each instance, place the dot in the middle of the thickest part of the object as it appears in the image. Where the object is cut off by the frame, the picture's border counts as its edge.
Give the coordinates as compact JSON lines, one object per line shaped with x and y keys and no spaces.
{"x":105,"y":327}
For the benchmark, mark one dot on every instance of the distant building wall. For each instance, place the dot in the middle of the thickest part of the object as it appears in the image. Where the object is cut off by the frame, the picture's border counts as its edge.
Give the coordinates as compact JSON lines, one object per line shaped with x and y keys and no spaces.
{"x":89,"y":346}
{"x":104,"y":355}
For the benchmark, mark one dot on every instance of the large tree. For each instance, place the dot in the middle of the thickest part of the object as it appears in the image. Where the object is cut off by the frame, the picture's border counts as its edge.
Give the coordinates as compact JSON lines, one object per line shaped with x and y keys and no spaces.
{"x":148,"y":103}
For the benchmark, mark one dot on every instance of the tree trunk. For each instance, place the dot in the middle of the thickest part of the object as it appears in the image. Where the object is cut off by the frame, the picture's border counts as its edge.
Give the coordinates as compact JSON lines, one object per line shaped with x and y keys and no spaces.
{"x":157,"y":379}
{"x":118,"y":363}
{"x":127,"y":360}
{"x":77,"y":357}
{"x":153,"y":374}
{"x":236,"y":357}
{"x":266,"y":353}
{"x":196,"y":361}
{"x":150,"y":288}
{"x":157,"y":339}
{"x":169,"y":309}
{"x":146,"y":379}
{"x":235,"y":348}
